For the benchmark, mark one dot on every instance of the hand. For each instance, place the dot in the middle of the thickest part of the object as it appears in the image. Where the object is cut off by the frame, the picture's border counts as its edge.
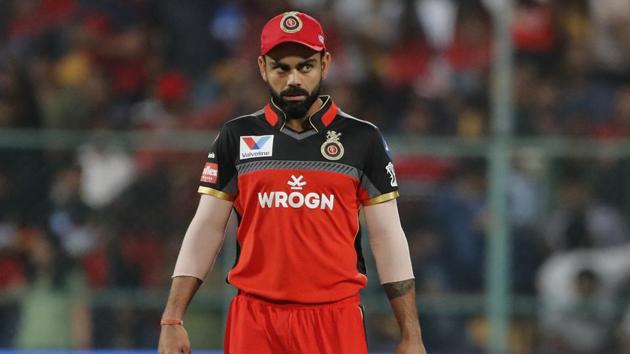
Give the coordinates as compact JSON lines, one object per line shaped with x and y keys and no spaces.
{"x":174,"y":340}
{"x":410,"y":347}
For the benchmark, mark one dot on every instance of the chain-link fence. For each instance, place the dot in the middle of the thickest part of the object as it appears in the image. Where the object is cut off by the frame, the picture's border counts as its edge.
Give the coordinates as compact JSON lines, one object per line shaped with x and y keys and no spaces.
{"x":90,"y":226}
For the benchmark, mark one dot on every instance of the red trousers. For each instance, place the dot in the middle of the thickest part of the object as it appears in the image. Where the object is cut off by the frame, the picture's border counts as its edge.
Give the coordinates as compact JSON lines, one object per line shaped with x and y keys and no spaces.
{"x":255,"y":326}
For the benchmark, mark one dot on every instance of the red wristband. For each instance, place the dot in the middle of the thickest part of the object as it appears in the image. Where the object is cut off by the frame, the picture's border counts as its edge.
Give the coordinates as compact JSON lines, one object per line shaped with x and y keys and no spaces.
{"x":170,"y":322}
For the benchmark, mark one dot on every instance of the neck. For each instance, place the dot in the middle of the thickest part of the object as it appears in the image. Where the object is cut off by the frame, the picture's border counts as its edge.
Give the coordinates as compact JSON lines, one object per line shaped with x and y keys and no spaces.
{"x":301,"y":124}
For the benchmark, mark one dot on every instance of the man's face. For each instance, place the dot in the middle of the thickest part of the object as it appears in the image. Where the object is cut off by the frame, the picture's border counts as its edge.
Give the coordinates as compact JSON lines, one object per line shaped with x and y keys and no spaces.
{"x":294,"y":74}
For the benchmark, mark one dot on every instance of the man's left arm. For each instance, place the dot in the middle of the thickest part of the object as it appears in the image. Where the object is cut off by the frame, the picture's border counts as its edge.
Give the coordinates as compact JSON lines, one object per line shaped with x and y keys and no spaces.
{"x":391,"y":253}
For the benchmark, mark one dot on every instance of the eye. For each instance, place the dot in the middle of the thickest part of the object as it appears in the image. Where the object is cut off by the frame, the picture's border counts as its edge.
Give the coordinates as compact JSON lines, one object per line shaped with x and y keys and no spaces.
{"x":280,"y":68}
{"x":306,"y":68}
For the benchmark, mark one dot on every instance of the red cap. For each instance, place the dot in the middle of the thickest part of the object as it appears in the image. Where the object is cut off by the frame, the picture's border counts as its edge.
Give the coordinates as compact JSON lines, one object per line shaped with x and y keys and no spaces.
{"x":296,"y":27}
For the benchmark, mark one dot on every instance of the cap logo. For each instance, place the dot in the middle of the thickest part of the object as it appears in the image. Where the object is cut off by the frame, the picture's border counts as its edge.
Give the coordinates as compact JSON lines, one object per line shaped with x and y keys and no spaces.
{"x":290,"y":22}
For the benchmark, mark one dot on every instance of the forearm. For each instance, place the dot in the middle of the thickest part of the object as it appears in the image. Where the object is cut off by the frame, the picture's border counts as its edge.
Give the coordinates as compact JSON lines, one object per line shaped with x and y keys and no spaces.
{"x":402,"y":298}
{"x":182,"y":291}
{"x":391,"y":253}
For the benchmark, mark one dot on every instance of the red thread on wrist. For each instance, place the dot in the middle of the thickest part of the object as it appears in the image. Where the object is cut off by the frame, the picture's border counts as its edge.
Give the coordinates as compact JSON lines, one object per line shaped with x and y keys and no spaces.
{"x":170,"y":322}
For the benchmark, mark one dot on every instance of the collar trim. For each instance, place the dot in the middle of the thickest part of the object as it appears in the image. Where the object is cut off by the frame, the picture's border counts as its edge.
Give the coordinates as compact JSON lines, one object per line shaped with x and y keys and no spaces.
{"x":320,"y":119}
{"x":330,"y":114}
{"x":271,"y":116}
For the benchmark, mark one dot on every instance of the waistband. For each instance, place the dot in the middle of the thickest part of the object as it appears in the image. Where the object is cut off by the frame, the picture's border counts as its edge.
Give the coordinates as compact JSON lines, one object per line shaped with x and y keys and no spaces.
{"x":354,"y":299}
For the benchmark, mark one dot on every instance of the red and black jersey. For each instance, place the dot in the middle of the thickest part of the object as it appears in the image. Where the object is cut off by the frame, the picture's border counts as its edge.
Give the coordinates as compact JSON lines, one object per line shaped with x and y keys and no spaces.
{"x":297,"y":197}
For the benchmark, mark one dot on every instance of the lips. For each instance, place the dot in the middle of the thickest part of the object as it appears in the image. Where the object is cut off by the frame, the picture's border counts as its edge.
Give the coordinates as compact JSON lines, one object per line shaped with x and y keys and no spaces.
{"x":294,"y":95}
{"x":294,"y":98}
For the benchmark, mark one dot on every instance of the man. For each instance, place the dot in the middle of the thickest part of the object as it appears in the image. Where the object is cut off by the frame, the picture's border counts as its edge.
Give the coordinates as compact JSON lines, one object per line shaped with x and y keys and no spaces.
{"x":296,"y":174}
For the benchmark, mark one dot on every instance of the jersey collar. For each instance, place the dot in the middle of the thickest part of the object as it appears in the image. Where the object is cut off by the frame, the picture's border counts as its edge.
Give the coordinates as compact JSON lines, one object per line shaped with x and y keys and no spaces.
{"x":319,"y":120}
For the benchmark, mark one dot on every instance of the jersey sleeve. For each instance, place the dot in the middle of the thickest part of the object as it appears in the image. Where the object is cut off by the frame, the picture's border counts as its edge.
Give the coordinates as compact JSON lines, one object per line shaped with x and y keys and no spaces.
{"x":218,"y":177}
{"x":378,"y":181}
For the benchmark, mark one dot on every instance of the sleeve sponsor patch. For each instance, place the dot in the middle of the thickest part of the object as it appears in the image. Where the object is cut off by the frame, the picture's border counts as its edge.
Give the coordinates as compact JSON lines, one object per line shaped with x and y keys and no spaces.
{"x":210,"y":172}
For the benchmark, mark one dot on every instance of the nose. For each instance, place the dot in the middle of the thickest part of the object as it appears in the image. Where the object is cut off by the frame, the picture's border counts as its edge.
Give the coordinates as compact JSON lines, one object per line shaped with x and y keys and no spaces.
{"x":294,"y":79}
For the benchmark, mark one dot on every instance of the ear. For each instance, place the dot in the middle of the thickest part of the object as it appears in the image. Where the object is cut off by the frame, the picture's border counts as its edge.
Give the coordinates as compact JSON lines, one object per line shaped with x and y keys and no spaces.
{"x":262,"y":68}
{"x":326,"y":59}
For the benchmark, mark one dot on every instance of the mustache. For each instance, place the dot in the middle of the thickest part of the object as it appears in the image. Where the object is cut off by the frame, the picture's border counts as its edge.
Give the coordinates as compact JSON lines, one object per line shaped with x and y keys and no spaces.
{"x":295,"y":91}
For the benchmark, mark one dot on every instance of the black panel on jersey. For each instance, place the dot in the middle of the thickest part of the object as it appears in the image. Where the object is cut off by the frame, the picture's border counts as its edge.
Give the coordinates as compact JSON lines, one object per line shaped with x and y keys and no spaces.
{"x":363,"y":148}
{"x":360,"y":259}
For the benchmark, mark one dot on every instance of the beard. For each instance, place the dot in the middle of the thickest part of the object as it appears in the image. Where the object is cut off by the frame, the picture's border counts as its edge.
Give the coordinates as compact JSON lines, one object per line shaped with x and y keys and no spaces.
{"x":295,"y":109}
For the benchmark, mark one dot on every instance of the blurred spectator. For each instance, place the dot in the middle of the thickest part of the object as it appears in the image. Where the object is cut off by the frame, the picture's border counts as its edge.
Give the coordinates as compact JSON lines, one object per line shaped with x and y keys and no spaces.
{"x":419,"y":119}
{"x":54,"y":309}
{"x":536,"y":103}
{"x":470,"y":51}
{"x":572,"y":20}
{"x":617,"y":126}
{"x":105,"y":173}
{"x":438,"y":19}
{"x":624,"y":335}
{"x":526,"y":200}
{"x":383,"y":335}
{"x":578,"y":292}
{"x":188,"y":32}
{"x":459,"y":210}
{"x":430,"y":261}
{"x":611,"y":46}
{"x":533,"y":29}
{"x":471,"y":120}
{"x":622,"y":332}
{"x":525,"y":189}
{"x":69,"y":216}
{"x":407,"y":62}
{"x":585,"y":326}
{"x":611,"y":173}
{"x":375,"y":19}
{"x":166,"y":106}
{"x":578,"y":317}
{"x":579,"y":222}
{"x":12,"y":276}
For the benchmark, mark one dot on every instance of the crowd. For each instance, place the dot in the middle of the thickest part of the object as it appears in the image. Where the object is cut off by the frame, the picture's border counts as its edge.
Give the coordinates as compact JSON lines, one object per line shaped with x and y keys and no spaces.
{"x":103,"y":216}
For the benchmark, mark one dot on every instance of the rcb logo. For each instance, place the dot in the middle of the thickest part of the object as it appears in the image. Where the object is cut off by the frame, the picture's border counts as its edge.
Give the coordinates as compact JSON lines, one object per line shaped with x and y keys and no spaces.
{"x":332,"y":148}
{"x":290,"y":22}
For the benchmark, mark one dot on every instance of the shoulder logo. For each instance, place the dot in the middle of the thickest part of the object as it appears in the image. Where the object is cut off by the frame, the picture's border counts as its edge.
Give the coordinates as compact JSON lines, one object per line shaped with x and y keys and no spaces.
{"x":252,"y":146}
{"x":331,"y":148}
{"x":290,"y":22}
{"x":392,"y":175}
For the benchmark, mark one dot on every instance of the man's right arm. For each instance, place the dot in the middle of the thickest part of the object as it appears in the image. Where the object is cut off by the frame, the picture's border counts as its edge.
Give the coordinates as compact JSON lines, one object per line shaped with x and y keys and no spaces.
{"x":199,"y":250}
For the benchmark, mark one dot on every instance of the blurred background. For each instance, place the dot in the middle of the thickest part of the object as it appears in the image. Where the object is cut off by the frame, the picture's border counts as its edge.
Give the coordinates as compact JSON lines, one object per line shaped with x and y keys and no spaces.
{"x":517,"y":222}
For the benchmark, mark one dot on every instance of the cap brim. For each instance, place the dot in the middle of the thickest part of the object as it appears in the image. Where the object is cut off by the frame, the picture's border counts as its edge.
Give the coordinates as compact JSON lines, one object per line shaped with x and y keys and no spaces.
{"x":317,"y":48}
